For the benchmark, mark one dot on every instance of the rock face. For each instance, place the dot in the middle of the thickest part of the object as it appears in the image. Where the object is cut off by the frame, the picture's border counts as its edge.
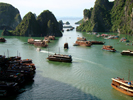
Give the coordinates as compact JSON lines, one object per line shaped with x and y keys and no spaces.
{"x":121,"y":16}
{"x":45,"y":24}
{"x":28,"y":26}
{"x":109,"y":16}
{"x":9,"y":16}
{"x":48,"y":24}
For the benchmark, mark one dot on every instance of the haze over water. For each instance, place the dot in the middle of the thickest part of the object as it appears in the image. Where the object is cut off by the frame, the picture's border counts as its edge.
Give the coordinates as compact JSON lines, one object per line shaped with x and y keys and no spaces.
{"x":87,"y":77}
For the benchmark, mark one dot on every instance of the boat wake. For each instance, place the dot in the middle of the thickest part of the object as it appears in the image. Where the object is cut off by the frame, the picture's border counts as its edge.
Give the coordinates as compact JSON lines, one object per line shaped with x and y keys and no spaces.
{"x":46,"y":52}
{"x":88,"y":61}
{"x":43,"y":51}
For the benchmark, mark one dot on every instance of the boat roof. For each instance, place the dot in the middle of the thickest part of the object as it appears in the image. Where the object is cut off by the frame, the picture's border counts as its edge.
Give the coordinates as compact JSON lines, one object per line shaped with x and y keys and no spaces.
{"x":125,"y":51}
{"x":124,"y":82}
{"x":37,"y":40}
{"x":60,"y":55}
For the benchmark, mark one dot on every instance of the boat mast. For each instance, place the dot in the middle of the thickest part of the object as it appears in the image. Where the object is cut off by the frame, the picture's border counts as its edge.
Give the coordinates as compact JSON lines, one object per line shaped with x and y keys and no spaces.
{"x":48,"y":51}
{"x":129,"y":75}
{"x":8,"y":53}
{"x":59,"y":50}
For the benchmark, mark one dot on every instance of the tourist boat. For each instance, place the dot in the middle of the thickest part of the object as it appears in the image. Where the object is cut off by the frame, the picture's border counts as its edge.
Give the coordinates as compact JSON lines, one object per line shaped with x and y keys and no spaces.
{"x":108,"y":48}
{"x":97,"y":42}
{"x":127,"y":52}
{"x":60,"y":58}
{"x":2,"y":39}
{"x":3,"y":93}
{"x":123,"y":86}
{"x":84,"y":43}
{"x":32,"y":41}
{"x":81,"y":41}
{"x":40,"y":44}
{"x":13,"y":77}
{"x":49,"y":38}
{"x":10,"y":87}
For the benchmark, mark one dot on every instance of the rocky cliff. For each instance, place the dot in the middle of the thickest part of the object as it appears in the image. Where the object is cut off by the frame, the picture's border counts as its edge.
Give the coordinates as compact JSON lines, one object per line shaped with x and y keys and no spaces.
{"x":9,"y":16}
{"x":48,"y":24}
{"x":45,"y":24}
{"x":122,"y":16}
{"x":109,"y":16}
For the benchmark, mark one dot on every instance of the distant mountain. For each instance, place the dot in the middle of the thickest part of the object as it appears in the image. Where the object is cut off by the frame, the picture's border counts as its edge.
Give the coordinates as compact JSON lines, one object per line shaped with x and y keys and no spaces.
{"x":108,"y":16}
{"x":9,"y":16}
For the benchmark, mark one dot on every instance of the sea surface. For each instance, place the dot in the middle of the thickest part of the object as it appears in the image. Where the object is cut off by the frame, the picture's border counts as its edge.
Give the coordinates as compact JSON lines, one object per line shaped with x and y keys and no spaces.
{"x":89,"y":75}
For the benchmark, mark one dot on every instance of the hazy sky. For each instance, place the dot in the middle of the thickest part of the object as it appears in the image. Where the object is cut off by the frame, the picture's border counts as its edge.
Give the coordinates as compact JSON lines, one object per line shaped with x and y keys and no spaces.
{"x":60,"y":8}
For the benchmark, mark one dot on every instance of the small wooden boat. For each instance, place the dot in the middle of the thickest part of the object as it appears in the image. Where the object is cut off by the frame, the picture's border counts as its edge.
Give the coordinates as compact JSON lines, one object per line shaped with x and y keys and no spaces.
{"x":108,"y":48}
{"x":60,"y":58}
{"x":66,"y":46}
{"x":123,"y":86}
{"x":2,"y":39}
{"x":127,"y":52}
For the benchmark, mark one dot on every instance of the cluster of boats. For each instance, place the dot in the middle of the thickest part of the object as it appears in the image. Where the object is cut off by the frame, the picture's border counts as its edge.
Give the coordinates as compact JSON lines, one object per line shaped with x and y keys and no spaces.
{"x":82,"y":41}
{"x":14,"y":73}
{"x":41,"y":43}
{"x":107,"y":36}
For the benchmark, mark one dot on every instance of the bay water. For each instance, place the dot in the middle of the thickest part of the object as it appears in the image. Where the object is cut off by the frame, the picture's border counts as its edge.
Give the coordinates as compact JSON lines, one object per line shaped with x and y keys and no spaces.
{"x":87,"y":77}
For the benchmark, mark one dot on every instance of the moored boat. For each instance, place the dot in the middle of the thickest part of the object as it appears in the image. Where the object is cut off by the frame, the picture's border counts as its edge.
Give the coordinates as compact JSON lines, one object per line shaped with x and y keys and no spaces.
{"x":97,"y":42}
{"x":83,"y":43}
{"x":60,"y":58}
{"x":49,"y":37}
{"x":32,"y":41}
{"x":40,"y":44}
{"x":127,"y":52}
{"x":123,"y":86}
{"x":108,"y":48}
{"x":2,"y":39}
{"x":81,"y":39}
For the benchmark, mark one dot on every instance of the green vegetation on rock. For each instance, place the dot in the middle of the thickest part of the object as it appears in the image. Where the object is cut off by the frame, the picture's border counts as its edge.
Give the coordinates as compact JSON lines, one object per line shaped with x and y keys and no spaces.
{"x":108,"y":16}
{"x":45,"y":19}
{"x":45,"y":24}
{"x":9,"y":16}
{"x":28,"y":26}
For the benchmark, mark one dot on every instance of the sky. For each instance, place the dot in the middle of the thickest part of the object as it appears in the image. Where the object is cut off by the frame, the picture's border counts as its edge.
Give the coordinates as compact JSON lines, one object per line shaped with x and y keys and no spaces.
{"x":60,"y":8}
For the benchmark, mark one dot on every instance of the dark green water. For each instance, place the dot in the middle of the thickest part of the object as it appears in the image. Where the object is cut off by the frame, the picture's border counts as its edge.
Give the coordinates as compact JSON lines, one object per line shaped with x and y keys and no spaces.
{"x":87,"y":77}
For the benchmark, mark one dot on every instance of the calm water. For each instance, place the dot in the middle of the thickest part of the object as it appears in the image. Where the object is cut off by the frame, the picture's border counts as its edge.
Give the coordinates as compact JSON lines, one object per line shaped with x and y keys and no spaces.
{"x":87,"y":77}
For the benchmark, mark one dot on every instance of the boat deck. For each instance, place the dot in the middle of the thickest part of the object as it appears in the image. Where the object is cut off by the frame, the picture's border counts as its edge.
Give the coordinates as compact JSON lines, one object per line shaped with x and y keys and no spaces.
{"x":122,"y":81}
